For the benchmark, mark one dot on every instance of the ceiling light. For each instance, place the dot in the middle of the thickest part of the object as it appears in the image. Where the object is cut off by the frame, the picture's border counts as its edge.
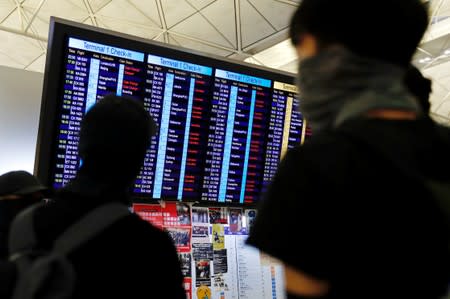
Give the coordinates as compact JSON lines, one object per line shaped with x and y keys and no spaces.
{"x":447,"y":52}
{"x":425,"y":60}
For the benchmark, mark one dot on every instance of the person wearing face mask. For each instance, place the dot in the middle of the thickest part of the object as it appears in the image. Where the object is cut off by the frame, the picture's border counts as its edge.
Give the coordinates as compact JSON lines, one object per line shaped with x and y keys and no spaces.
{"x":18,"y":190}
{"x":354,"y":212}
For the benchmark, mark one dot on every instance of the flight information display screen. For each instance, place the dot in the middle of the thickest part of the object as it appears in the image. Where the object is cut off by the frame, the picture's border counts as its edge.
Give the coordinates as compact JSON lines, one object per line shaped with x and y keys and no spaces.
{"x":222,"y":130}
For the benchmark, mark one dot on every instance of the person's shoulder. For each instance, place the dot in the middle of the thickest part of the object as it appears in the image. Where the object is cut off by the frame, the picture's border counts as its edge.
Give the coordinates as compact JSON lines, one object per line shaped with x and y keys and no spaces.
{"x":323,"y":142}
{"x":325,"y":148}
{"x":141,"y":226}
{"x":136,"y":226}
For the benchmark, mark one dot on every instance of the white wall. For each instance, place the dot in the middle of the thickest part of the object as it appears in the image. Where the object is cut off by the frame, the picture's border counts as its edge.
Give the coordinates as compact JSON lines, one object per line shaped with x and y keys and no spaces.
{"x":20,"y":102}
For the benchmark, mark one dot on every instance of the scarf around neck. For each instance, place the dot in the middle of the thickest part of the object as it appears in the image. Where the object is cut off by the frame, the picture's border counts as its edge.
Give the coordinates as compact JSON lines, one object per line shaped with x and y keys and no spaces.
{"x":337,"y":85}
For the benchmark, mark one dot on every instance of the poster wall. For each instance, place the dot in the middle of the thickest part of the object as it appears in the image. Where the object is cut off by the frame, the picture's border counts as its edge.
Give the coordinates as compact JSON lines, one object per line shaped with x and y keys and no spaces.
{"x":215,"y":261}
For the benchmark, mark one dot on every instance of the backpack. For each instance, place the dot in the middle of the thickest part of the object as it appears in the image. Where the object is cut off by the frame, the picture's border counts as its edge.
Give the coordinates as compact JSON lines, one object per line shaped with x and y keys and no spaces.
{"x":50,"y":274}
{"x":440,"y":190}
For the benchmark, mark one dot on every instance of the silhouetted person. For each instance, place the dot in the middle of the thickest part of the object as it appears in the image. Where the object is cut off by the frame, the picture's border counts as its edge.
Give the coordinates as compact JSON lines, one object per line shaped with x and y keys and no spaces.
{"x":131,"y":258}
{"x":353,"y":213}
{"x":18,"y":190}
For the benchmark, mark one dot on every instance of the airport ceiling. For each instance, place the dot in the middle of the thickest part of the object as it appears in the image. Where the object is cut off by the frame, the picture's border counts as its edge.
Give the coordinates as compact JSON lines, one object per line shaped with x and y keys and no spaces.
{"x":231,"y":28}
{"x":250,"y":30}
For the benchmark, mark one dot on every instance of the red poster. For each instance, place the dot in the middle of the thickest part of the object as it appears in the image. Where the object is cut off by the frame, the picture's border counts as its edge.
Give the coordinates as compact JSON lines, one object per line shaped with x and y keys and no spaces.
{"x":188,"y":287}
{"x":235,"y":220}
{"x":176,"y":214}
{"x":151,"y":213}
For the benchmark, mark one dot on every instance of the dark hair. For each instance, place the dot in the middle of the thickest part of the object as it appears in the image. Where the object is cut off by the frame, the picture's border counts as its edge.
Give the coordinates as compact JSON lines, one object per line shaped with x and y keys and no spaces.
{"x":115,"y":134}
{"x":389,"y":30}
{"x":419,"y":86}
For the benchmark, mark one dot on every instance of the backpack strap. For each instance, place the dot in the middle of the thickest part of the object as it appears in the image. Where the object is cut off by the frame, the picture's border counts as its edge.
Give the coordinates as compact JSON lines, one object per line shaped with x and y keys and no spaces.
{"x":89,"y":226}
{"x":22,"y":238}
{"x":51,"y":275}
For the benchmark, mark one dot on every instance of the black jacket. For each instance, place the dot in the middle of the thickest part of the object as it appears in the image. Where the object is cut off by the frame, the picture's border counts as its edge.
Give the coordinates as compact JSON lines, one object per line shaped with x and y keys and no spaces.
{"x":130,"y":259}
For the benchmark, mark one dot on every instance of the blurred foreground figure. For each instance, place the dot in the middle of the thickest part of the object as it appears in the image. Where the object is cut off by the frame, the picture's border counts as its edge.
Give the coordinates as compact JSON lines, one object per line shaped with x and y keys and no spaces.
{"x":358,"y":211}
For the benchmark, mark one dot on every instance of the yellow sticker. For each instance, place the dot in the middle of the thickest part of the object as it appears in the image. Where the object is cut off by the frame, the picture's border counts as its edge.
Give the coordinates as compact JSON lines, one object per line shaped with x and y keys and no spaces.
{"x":203,"y":292}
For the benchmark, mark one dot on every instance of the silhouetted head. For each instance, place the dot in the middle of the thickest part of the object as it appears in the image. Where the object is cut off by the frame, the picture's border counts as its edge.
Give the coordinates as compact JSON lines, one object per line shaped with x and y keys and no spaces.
{"x":18,"y":190}
{"x":388,"y":30}
{"x":20,"y":183}
{"x":115,"y":134}
{"x":419,"y":86}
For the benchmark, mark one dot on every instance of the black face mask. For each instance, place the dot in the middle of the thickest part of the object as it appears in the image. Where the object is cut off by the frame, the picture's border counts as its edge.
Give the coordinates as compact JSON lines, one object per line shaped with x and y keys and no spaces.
{"x":337,"y":85}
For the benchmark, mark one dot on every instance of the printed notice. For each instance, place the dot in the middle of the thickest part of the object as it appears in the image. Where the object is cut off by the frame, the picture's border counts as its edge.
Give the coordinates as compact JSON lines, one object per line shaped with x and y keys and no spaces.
{"x":150,"y":212}
{"x":248,"y":260}
{"x":181,"y":237}
{"x":176,"y":214}
{"x":235,"y":220}
{"x":218,"y":236}
{"x":199,"y":215}
{"x":220,"y":261}
{"x":250,"y":216}
{"x":200,"y":233}
{"x":186,"y":263}
{"x":218,"y":215}
{"x":203,"y":273}
{"x":201,"y":251}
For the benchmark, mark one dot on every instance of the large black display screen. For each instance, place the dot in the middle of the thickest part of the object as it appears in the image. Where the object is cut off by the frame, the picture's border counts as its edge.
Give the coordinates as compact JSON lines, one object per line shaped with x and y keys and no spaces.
{"x":223,"y":126}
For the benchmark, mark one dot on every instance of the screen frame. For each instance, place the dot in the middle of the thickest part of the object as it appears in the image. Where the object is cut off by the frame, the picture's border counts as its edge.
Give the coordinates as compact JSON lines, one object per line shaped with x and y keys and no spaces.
{"x":59,"y":31}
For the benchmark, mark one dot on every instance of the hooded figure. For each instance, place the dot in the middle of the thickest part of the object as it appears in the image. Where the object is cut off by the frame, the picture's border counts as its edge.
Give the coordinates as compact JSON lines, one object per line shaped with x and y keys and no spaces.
{"x":115,"y":134}
{"x":18,"y":190}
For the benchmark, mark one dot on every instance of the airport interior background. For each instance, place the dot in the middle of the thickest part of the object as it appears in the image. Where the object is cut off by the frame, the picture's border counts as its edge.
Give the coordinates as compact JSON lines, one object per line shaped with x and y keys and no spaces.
{"x":251,"y":31}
